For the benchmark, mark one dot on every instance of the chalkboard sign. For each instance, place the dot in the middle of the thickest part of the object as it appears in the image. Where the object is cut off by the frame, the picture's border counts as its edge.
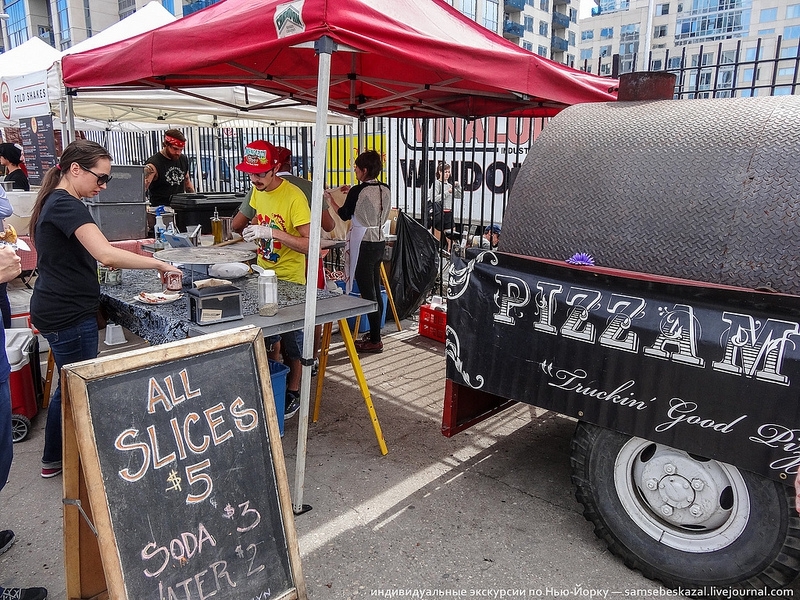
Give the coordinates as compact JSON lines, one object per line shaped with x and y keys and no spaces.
{"x":38,"y":142}
{"x":184,"y":469}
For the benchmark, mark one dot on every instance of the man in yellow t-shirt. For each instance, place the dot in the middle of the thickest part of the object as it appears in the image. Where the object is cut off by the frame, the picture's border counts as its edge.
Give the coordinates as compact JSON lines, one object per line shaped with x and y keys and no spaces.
{"x":280,"y":229}
{"x":281,"y":224}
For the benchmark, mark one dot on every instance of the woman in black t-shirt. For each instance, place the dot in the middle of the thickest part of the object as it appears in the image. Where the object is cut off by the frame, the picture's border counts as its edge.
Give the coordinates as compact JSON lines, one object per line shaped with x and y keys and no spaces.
{"x":69,"y":245}
{"x":11,"y":159}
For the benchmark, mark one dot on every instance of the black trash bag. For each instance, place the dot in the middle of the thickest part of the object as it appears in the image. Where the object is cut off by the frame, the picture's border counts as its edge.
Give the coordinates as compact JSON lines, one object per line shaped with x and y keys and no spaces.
{"x":414,"y":265}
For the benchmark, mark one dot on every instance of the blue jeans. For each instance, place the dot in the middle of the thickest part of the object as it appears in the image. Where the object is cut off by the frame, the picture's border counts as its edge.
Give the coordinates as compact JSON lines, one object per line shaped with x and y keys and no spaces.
{"x":6,"y":443}
{"x":68,"y":346}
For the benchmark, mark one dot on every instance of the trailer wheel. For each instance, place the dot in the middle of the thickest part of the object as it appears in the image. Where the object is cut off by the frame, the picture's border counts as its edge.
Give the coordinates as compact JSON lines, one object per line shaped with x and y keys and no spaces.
{"x":20,"y":427}
{"x":685,"y":520}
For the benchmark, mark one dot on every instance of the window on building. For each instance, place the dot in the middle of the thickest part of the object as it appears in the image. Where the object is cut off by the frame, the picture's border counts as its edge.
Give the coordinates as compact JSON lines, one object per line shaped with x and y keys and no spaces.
{"x":17,"y":23}
{"x":793,"y":11}
{"x":62,"y":8}
{"x":786,"y":72}
{"x":491,"y":10}
{"x":725,"y":78}
{"x":529,"y":3}
{"x":662,"y":9}
{"x":468,"y":7}
{"x":789,"y":52}
{"x":527,"y":45}
{"x":747,"y":76}
{"x":542,"y":51}
{"x":544,"y":5}
{"x":674,"y":62}
{"x":605,"y":50}
{"x":768,"y":15}
{"x":169,"y":5}
{"x":571,"y":38}
{"x":708,"y":58}
{"x":629,"y":39}
{"x":528,"y":23}
{"x":570,"y":60}
{"x":543,"y":29}
{"x":126,"y":8}
{"x":750,"y":54}
{"x":606,"y":33}
{"x":782,"y":91}
{"x":791,"y":33}
{"x":728,"y":57}
{"x":656,"y":65}
{"x":660,"y":31}
{"x":573,"y":15}
{"x":586,"y":54}
{"x":605,"y":69}
{"x":587,"y":35}
{"x":762,"y":32}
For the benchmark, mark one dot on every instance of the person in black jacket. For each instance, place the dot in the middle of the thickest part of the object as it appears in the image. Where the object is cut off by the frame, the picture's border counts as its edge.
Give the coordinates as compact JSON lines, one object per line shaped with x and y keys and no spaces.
{"x":11,"y":159}
{"x":167,"y":172}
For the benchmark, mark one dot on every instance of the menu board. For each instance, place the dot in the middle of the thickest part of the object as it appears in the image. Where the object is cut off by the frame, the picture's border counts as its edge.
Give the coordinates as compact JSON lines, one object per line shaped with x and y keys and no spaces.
{"x":185,"y":473}
{"x":39,"y":146}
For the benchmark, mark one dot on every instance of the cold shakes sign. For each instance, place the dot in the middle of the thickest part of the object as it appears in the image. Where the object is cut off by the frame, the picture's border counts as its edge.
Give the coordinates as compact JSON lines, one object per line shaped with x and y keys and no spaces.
{"x":713,"y":371}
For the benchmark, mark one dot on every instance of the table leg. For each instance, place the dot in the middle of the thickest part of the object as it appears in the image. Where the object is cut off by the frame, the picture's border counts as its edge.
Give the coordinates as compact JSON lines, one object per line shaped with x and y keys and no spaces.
{"x":323,"y":363}
{"x":385,"y":280}
{"x":362,"y":382}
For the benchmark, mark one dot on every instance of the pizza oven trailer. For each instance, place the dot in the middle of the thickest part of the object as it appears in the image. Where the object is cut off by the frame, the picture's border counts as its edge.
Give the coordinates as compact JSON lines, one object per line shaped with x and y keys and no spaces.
{"x":677,"y":352}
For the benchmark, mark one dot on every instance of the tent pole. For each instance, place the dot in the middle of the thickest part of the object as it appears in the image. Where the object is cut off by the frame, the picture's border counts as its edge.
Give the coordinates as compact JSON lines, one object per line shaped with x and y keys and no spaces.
{"x":199,"y":183}
{"x":70,"y":123}
{"x":324,"y":47}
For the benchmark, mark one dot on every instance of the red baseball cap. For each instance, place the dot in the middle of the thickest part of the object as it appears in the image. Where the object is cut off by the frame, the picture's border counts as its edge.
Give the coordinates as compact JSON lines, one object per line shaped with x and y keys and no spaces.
{"x":284,"y":155}
{"x":259,"y":157}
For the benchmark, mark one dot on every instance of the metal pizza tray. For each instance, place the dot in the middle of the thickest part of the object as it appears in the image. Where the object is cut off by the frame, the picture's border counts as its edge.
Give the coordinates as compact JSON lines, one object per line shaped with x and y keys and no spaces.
{"x":204,"y":255}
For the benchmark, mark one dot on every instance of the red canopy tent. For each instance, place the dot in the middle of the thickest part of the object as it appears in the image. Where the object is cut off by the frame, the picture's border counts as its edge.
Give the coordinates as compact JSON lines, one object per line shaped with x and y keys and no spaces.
{"x":407,"y":58}
{"x":402,"y":58}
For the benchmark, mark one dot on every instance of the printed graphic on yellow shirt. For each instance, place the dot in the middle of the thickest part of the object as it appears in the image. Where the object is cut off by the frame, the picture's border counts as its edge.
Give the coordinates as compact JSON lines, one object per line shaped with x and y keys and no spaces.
{"x":267,"y":249}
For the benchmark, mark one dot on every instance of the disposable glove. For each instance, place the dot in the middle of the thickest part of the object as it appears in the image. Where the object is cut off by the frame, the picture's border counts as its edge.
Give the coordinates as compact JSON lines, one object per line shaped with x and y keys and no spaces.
{"x":257,"y":232}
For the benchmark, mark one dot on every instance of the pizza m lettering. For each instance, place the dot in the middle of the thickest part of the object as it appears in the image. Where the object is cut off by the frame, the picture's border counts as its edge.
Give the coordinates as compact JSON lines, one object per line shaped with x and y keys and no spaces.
{"x":754,"y":349}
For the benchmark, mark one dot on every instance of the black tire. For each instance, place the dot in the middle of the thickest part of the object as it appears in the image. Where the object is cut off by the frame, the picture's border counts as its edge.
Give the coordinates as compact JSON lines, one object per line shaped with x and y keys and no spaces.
{"x":20,"y":427}
{"x":750,"y":540}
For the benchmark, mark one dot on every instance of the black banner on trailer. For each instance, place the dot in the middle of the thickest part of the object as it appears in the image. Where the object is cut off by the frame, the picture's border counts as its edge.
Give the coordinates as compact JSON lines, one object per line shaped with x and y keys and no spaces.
{"x":712,"y":371}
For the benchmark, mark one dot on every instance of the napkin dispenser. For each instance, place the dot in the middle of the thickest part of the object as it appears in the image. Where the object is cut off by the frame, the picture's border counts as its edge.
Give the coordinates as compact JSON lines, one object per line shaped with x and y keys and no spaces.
{"x":215,"y":304}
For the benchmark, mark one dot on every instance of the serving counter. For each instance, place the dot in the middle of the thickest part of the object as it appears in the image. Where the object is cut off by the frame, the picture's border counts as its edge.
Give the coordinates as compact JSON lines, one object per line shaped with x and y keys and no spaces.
{"x":160,"y":323}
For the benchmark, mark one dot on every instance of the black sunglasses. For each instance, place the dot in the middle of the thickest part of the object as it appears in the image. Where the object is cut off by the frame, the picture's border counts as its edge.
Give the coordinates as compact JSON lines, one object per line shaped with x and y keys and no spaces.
{"x":101,"y":179}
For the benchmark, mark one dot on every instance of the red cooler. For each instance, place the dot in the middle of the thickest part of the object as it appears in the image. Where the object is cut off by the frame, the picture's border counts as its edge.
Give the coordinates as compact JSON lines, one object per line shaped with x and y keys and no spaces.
{"x":20,"y":344}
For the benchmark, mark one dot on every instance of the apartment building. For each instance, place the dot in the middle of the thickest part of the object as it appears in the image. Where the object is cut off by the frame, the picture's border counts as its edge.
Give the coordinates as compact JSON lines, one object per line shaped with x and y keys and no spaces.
{"x":64,"y":23}
{"x":735,"y":45}
{"x":548,"y":28}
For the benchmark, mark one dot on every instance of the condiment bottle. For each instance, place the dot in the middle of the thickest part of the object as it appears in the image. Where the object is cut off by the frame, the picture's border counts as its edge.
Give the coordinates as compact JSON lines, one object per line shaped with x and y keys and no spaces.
{"x":267,"y":293}
{"x":216,"y":227}
{"x":159,"y":228}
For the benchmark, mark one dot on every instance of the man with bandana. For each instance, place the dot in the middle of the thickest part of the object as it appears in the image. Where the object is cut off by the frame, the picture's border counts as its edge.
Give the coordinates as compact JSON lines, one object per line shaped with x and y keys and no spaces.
{"x":167,"y":172}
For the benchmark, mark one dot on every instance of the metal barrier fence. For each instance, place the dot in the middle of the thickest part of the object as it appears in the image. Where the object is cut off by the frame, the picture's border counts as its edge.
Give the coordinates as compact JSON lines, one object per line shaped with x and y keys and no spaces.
{"x":723,"y":70}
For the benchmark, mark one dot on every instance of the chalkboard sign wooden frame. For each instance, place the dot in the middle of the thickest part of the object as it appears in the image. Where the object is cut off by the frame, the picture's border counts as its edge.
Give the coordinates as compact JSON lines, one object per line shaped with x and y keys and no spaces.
{"x":173,"y":453}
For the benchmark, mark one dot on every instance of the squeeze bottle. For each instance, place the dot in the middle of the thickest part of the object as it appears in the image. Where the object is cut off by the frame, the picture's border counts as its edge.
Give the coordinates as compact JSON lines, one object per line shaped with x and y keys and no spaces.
{"x":159,"y":228}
